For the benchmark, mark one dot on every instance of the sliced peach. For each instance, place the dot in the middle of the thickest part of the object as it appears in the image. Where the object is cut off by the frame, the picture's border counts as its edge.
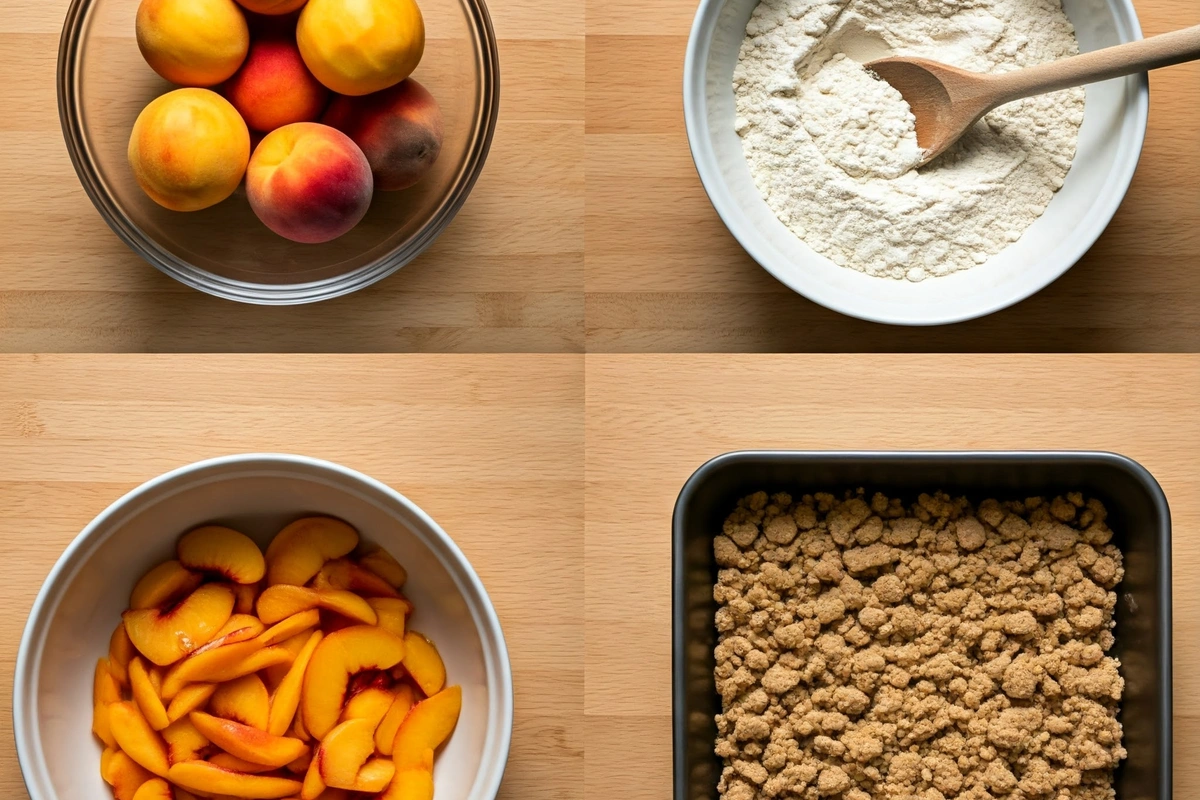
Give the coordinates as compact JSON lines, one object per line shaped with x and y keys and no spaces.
{"x":120,"y":650}
{"x":246,"y":626}
{"x":291,"y":626}
{"x":336,"y":659}
{"x":184,"y":741}
{"x":105,"y":688}
{"x":423,"y":663}
{"x":375,"y":776}
{"x":215,"y":548}
{"x":391,"y":612}
{"x":313,"y":786}
{"x":298,"y":729}
{"x":273,"y":676}
{"x":227,"y":761}
{"x":246,"y":742}
{"x":301,"y":764}
{"x":102,"y":725}
{"x":427,"y":726}
{"x":156,"y":678}
{"x":189,"y":698}
{"x":154,"y":789}
{"x":371,"y":704}
{"x":342,"y":573}
{"x":279,"y":602}
{"x":209,"y":779}
{"x":146,"y":696}
{"x":164,"y":637}
{"x":242,"y":700}
{"x":123,"y":774}
{"x":298,"y":552}
{"x":135,"y":737}
{"x":223,"y":664}
{"x":344,"y":751}
{"x":246,"y":595}
{"x":381,"y":562}
{"x":410,"y":784}
{"x":287,"y":696}
{"x":163,"y":585}
{"x":385,"y":733}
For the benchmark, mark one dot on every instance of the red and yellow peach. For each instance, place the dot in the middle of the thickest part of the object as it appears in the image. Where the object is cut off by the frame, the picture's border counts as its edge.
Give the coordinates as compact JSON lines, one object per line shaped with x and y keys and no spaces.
{"x":356,"y":47}
{"x":274,"y":88}
{"x":192,"y":42}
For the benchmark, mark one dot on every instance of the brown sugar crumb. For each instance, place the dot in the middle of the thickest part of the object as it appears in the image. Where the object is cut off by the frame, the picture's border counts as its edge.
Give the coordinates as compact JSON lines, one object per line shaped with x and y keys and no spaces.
{"x":940,"y":651}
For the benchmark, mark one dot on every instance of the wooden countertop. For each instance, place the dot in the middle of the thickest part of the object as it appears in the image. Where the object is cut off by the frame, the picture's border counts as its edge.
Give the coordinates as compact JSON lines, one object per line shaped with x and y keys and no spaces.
{"x":491,"y":447}
{"x":653,"y":420}
{"x":506,"y":276}
{"x":663,"y":273}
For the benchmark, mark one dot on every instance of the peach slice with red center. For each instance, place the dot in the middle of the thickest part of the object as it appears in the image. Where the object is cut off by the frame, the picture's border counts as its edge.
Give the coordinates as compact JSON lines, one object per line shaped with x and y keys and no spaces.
{"x":246,"y":742}
{"x":342,"y":573}
{"x":391,"y":613}
{"x":424,"y":663}
{"x":287,"y":696}
{"x":283,"y":600}
{"x":381,"y":562}
{"x":146,"y":696}
{"x":165,"y":636}
{"x":337,"y":658}
{"x":184,"y":741}
{"x":298,"y":552}
{"x":223,"y":663}
{"x":385,"y":733}
{"x":427,"y":726}
{"x":189,"y":698}
{"x":227,"y":761}
{"x":209,"y":779}
{"x":120,"y":651}
{"x":410,"y":784}
{"x":215,"y":548}
{"x":122,"y":773}
{"x":243,"y":700}
{"x":135,"y":737}
{"x":163,"y":585}
{"x":371,"y":704}
{"x":291,"y":626}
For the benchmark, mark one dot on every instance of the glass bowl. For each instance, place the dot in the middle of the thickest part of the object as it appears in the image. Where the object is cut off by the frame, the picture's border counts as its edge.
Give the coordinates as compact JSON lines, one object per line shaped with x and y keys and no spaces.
{"x":103,"y":84}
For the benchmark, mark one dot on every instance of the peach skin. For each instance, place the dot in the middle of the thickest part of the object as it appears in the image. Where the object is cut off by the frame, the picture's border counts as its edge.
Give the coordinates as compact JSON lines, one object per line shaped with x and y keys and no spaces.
{"x":423,"y":663}
{"x":135,"y":737}
{"x":229,"y":553}
{"x":298,"y":552}
{"x":189,"y":149}
{"x":189,"y":698}
{"x":274,"y":88}
{"x":287,"y":696}
{"x":272,"y":7}
{"x":242,"y":700}
{"x":336,"y":659}
{"x":145,"y":695}
{"x":184,"y":741}
{"x":378,"y":560}
{"x":385,"y":734}
{"x":427,"y":726}
{"x":123,"y":774}
{"x":399,"y":130}
{"x":341,"y":573}
{"x":164,"y":637}
{"x":164,"y":584}
{"x":309,"y":182}
{"x":410,"y":784}
{"x":209,"y":779}
{"x":279,"y":602}
{"x":192,"y":42}
{"x":245,"y":742}
{"x":356,"y":47}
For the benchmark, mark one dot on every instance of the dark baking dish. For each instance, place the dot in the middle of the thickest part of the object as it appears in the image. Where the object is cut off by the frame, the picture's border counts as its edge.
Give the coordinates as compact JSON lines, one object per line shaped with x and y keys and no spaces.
{"x":1138,"y":515}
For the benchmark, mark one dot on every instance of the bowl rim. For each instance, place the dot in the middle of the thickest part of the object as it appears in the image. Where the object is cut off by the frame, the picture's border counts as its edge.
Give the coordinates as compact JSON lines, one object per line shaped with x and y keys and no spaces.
{"x":70,"y":115}
{"x":498,"y":738}
{"x":704,"y":158}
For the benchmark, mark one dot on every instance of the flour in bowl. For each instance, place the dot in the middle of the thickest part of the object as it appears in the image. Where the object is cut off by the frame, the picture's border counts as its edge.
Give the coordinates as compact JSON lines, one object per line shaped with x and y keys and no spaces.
{"x":832,"y":148}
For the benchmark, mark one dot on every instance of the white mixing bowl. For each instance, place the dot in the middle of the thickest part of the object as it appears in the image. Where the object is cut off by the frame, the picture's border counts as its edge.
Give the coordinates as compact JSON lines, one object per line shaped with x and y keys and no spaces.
{"x":84,"y":595}
{"x":1110,"y":143}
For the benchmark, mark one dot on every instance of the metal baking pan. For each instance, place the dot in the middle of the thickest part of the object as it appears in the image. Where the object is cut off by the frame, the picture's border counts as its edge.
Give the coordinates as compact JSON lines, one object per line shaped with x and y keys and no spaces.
{"x":1138,"y":515}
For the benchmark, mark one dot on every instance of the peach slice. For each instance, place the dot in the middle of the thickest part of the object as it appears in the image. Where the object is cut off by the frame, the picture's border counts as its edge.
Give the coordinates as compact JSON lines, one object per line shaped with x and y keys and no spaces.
{"x":227,"y":761}
{"x":301,"y":764}
{"x":135,"y":737}
{"x":371,"y":704}
{"x":105,"y":688}
{"x":287,"y":695}
{"x":313,"y":786}
{"x":374,"y":776}
{"x":242,"y":700}
{"x":391,"y":612}
{"x":344,"y":751}
{"x":298,"y":552}
{"x":426,"y":727}
{"x":209,"y":779}
{"x":423,"y":663}
{"x":291,"y":626}
{"x":120,"y":651}
{"x":154,"y":789}
{"x":273,"y":676}
{"x":246,"y":742}
{"x":336,"y":659}
{"x":222,"y":664}
{"x":385,"y":733}
{"x":410,"y":784}
{"x":381,"y":562}
{"x":298,"y":729}
{"x":284,"y":600}
{"x":215,"y":548}
{"x":164,"y":637}
{"x":189,"y":698}
{"x":184,"y":741}
{"x":246,"y":626}
{"x":146,"y":696}
{"x":163,"y":585}
{"x":122,"y":773}
{"x":246,"y":595}
{"x":341,"y":573}
{"x":102,"y":725}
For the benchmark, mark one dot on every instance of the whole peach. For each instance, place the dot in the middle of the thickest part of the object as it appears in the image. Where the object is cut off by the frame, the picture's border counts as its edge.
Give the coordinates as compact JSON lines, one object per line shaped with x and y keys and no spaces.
{"x":192,"y":42}
{"x":189,"y":149}
{"x":357,"y":47}
{"x":309,"y":182}
{"x":272,"y":7}
{"x":398,"y":129}
{"x":274,"y":88}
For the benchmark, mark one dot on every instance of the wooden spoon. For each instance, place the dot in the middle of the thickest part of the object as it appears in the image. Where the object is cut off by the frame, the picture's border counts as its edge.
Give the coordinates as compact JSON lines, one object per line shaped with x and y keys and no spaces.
{"x":947,"y":100}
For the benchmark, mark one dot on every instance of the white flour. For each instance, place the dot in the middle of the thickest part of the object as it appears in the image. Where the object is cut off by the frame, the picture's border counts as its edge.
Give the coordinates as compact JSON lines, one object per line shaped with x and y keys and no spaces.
{"x":831,"y":147}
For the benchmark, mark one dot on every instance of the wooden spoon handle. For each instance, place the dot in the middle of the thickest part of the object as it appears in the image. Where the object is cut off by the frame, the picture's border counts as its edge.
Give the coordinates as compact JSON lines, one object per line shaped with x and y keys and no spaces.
{"x":1100,"y":65}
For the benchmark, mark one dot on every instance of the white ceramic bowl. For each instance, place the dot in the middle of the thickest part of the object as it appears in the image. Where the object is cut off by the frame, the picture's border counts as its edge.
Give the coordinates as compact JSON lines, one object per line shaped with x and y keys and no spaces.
{"x":82,"y":599}
{"x":1110,"y":143}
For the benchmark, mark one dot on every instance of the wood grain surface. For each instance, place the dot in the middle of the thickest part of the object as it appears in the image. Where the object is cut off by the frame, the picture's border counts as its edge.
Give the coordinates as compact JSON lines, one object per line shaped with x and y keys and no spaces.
{"x":507,"y":275}
{"x":653,"y":420}
{"x":490,"y":447}
{"x":663,"y":273}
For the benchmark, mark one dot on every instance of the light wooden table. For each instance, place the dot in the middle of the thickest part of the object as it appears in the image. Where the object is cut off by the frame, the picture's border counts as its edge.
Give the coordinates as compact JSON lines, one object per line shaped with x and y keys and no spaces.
{"x":491,"y":447}
{"x":506,"y":276}
{"x":652,"y":420}
{"x":663,"y":273}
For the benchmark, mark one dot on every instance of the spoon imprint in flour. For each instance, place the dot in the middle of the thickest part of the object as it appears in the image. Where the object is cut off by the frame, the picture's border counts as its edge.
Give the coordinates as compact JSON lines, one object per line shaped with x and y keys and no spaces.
{"x":947,"y":101}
